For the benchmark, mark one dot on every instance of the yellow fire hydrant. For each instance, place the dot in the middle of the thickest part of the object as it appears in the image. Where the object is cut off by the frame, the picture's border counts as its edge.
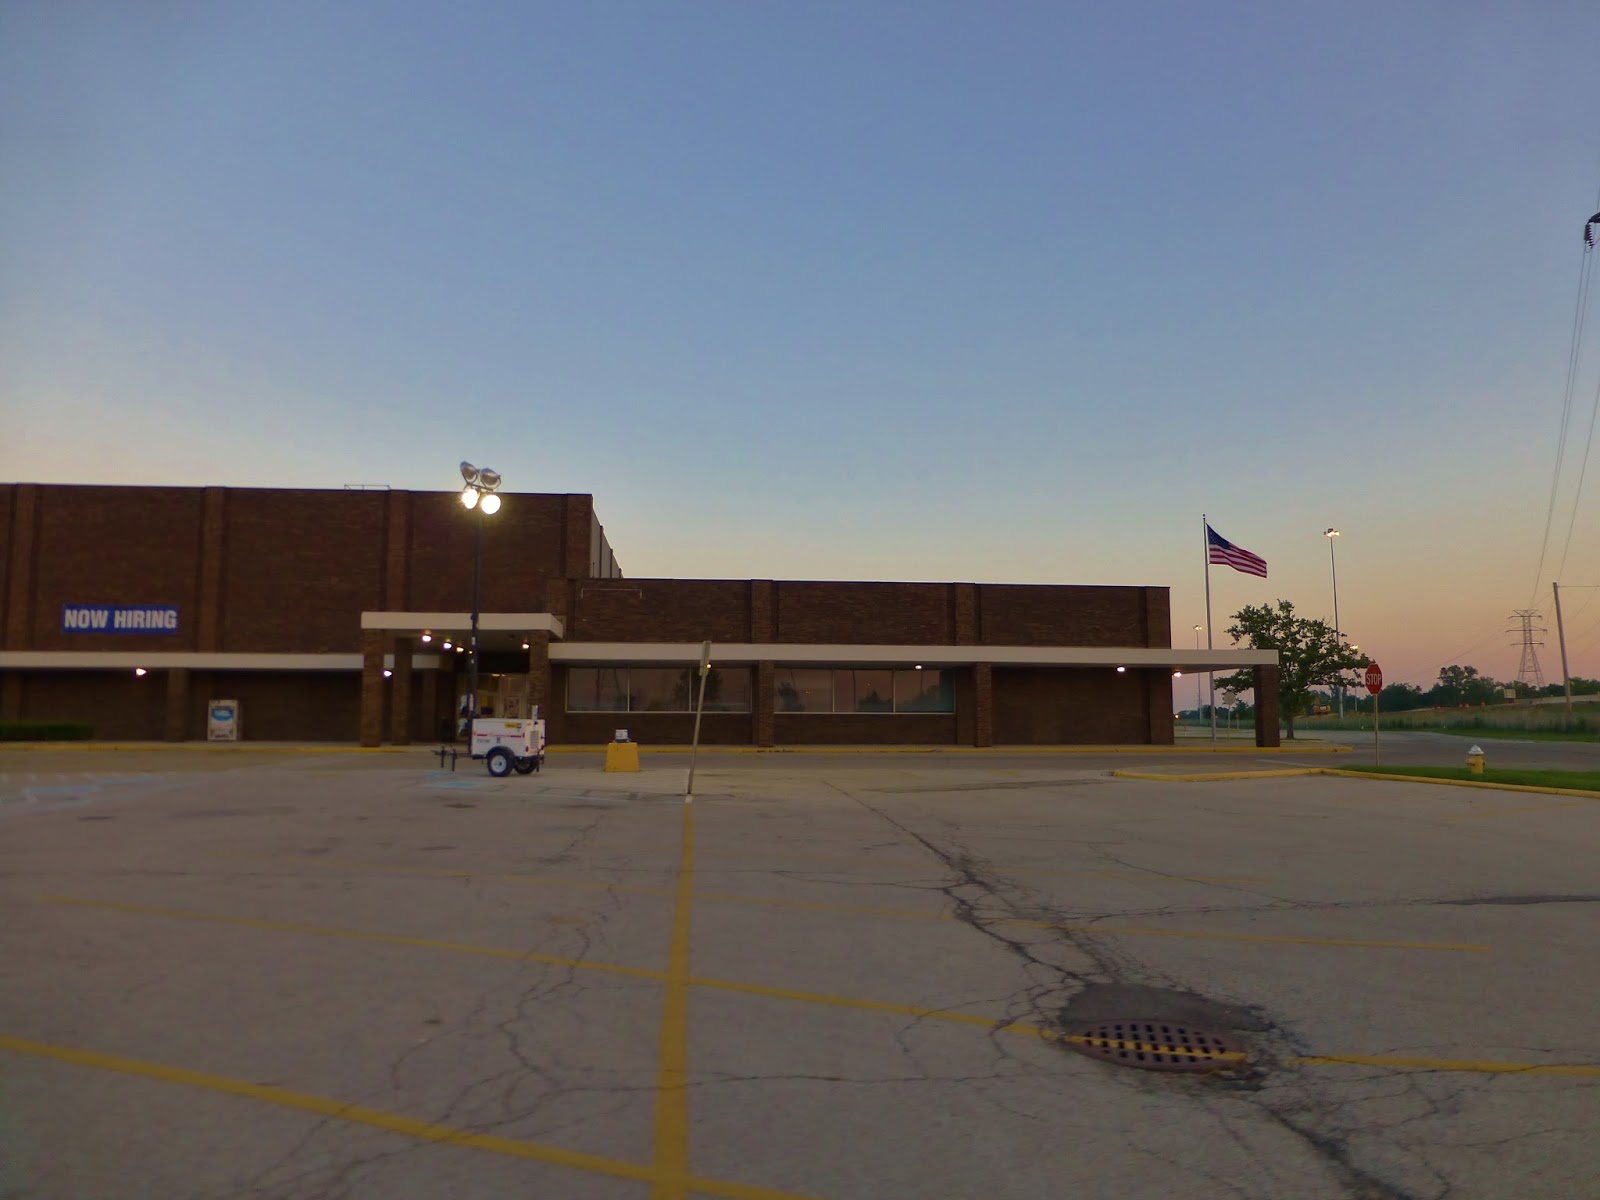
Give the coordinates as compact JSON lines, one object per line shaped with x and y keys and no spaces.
{"x":1475,"y":760}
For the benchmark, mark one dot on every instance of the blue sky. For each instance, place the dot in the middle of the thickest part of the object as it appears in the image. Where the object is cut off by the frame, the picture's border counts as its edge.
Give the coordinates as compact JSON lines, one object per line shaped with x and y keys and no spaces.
{"x":904,"y":291}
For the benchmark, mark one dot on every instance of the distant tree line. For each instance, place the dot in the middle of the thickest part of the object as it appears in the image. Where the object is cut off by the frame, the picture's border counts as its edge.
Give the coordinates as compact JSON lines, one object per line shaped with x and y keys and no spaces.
{"x":1459,"y":686}
{"x":1312,"y":656}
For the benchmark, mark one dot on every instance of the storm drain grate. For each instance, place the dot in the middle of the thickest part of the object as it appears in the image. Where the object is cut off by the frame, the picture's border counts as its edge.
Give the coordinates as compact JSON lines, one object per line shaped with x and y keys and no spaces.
{"x":1154,"y":1045}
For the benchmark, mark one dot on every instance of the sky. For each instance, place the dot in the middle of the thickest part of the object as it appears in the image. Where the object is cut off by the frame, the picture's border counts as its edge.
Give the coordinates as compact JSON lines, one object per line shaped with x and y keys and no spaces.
{"x":927,"y":291}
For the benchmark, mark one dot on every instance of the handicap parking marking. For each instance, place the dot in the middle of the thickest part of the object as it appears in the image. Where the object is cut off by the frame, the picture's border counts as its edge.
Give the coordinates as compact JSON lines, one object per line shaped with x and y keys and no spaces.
{"x":33,"y":792}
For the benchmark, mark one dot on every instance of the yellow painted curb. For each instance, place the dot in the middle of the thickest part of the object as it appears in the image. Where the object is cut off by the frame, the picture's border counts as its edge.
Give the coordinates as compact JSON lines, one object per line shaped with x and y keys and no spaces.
{"x":207,"y":747}
{"x":1470,"y":783}
{"x":980,"y":750}
{"x":1208,"y":777}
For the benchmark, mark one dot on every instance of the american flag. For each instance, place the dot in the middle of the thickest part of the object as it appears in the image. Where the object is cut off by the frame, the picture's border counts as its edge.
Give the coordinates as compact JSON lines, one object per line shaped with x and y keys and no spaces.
{"x":1225,"y":552}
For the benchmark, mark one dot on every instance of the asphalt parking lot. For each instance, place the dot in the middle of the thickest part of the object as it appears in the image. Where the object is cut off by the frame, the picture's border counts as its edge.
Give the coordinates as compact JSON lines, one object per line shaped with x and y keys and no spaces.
{"x":243,"y":974}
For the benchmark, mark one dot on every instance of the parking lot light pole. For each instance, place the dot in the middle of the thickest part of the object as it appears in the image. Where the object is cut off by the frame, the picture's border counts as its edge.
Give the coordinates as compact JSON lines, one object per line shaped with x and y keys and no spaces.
{"x":1330,"y":533}
{"x":478,"y":497}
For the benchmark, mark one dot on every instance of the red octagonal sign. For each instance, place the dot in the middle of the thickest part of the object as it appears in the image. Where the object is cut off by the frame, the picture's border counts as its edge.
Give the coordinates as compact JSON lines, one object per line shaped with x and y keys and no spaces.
{"x":1374,"y":679}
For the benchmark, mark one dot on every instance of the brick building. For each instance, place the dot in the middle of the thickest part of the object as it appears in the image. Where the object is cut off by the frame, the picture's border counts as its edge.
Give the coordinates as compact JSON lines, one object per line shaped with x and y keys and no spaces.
{"x":340,"y":616}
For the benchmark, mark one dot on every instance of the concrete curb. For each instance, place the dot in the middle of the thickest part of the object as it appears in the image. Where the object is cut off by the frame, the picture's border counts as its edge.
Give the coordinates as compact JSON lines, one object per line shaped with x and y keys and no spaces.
{"x":428,"y":748}
{"x":980,"y":750}
{"x":1215,"y":775}
{"x":1212,"y":776}
{"x":204,"y":747}
{"x":1468,"y":783}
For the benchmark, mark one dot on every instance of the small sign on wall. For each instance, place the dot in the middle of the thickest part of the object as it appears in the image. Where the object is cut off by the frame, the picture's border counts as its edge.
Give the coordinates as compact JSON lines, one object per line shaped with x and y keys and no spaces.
{"x":222,"y":721}
{"x":109,"y":618}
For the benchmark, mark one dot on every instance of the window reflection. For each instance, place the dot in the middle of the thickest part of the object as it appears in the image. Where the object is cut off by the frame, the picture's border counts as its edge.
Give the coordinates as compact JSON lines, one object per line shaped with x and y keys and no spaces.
{"x":924,"y":691}
{"x":863,"y":690}
{"x":656,"y":689}
{"x":803,"y":689}
{"x":859,"y":690}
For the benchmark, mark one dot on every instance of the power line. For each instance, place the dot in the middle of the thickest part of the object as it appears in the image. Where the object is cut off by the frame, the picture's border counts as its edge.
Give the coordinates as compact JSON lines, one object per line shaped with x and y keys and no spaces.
{"x":1580,"y":311}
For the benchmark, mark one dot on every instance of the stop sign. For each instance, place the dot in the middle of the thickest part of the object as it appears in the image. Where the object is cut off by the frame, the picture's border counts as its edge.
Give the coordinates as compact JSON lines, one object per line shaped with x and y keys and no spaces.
{"x":1374,"y":679}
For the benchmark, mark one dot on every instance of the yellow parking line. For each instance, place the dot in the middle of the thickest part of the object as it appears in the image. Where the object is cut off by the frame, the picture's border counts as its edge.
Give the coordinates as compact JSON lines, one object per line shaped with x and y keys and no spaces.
{"x":672,"y":1074}
{"x":906,"y":914}
{"x":951,"y":1016}
{"x":356,"y":1114}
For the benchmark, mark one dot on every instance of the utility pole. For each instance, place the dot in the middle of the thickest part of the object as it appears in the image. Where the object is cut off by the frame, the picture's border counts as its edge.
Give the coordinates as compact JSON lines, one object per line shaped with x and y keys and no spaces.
{"x":1561,"y":634}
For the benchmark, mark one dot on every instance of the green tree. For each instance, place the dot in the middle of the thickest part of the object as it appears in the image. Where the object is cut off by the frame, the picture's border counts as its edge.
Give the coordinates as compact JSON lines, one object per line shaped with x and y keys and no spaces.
{"x":1399,"y":697}
{"x":1310,"y":654}
{"x":1464,"y":685}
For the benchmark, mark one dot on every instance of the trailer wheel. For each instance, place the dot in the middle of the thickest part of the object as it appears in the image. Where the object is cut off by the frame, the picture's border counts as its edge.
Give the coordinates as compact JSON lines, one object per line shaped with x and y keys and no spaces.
{"x":499,"y":762}
{"x":526,"y":766}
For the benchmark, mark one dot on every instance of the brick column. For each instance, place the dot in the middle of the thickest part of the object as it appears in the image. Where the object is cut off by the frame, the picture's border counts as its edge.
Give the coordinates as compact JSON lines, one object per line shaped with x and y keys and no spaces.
{"x":983,"y":722}
{"x":400,"y":694}
{"x":11,"y":696}
{"x":213,"y":527}
{"x":1266,"y":696}
{"x":541,"y":690}
{"x":763,"y":702}
{"x":18,"y":633}
{"x":177,"y":722}
{"x":397,"y":548}
{"x":763,"y":610}
{"x":430,"y":706}
{"x":1157,"y":686}
{"x":966,"y":614}
{"x":372,"y":687}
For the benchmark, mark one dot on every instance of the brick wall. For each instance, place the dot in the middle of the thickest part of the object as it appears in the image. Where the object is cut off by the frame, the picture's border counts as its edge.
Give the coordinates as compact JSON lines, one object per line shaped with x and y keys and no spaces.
{"x":1038,"y":706}
{"x":523,"y":545}
{"x":658,"y":610}
{"x":865,"y":612}
{"x":284,"y":706}
{"x":10,"y":547}
{"x":120,"y":705}
{"x":874,"y":729}
{"x":114,"y":546}
{"x":649,"y":729}
{"x":1040,"y":615}
{"x":299,"y":569}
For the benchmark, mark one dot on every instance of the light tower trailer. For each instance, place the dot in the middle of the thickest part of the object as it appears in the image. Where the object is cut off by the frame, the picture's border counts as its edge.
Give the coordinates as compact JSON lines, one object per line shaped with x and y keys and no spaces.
{"x":509,"y":745}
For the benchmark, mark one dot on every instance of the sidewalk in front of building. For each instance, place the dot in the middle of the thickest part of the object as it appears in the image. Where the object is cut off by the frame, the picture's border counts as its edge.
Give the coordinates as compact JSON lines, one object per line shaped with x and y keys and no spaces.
{"x":1187,"y":744}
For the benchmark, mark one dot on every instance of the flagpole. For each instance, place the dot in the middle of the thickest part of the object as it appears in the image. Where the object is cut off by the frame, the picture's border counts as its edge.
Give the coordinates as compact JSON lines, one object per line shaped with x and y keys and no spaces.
{"x":1211,"y":678}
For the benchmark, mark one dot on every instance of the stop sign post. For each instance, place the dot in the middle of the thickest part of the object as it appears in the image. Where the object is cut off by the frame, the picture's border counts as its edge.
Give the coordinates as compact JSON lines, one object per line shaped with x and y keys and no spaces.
{"x":1375,"y":685}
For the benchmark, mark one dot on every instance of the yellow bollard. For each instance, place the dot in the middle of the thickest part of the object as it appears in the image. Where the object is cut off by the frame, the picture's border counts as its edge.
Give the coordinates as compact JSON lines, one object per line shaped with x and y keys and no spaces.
{"x":1475,"y":760}
{"x":622,"y":756}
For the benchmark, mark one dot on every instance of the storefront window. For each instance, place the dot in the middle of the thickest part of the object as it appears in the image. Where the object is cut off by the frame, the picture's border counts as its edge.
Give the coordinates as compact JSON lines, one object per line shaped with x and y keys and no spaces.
{"x":924,"y":691}
{"x":863,"y":691}
{"x":803,"y":689}
{"x":597,"y":689}
{"x":661,"y":689}
{"x":728,"y":689}
{"x":656,"y":689}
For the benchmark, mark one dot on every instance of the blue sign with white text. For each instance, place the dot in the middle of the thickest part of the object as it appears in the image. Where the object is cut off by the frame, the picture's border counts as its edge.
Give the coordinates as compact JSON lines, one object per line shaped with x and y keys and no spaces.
{"x":105,"y":618}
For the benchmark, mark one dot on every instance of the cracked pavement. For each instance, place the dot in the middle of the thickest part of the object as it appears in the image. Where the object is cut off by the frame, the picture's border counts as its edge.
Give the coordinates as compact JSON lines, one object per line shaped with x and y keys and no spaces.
{"x":352,"y":928}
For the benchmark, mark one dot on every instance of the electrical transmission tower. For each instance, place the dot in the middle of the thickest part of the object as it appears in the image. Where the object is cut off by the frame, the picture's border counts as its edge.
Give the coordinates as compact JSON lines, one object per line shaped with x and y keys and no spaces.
{"x":1528,"y":672}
